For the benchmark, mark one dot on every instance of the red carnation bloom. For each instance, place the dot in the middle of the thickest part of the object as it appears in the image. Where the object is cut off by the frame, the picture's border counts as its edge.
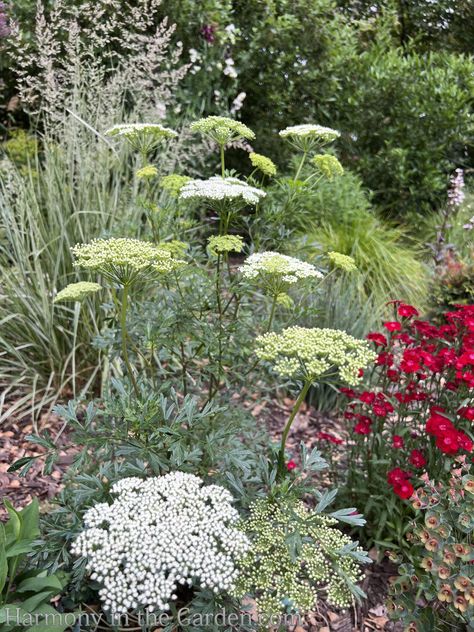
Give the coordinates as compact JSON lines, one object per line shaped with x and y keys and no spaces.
{"x":290,"y":465}
{"x":326,"y":436}
{"x":393,"y":375}
{"x":438,"y":425}
{"x":465,"y":442}
{"x":407,"y":311}
{"x":348,"y":392}
{"x":363,"y":426}
{"x":367,"y":397}
{"x":417,"y":459}
{"x":404,"y":490}
{"x":392,"y":325}
{"x":448,"y":443}
{"x":379,"y":339}
{"x":467,"y":412}
{"x":397,"y":476}
{"x":397,"y":441}
{"x":385,"y":359}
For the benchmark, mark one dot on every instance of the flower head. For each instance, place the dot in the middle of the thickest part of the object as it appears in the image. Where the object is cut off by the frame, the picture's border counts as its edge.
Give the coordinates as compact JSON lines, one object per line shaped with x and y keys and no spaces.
{"x":222,"y":130}
{"x":173,"y":183}
{"x":264,"y":164}
{"x":124,"y":260}
{"x":306,"y":136}
{"x":222,"y":244}
{"x":159,"y":534}
{"x":312,"y":354}
{"x":328,"y":165}
{"x":147,"y":173}
{"x":76,"y":291}
{"x":344,"y":262}
{"x":143,"y":137}
{"x":221,"y":190}
{"x":277,"y":272}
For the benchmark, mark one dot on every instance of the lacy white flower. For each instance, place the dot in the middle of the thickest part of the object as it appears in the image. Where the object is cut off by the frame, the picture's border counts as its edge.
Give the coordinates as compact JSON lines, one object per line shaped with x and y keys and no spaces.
{"x":222,"y":244}
{"x":221,"y":190}
{"x":158,"y":536}
{"x":143,"y":137}
{"x":221,"y":129}
{"x":263,"y":163}
{"x":124,"y":260}
{"x":306,"y":136}
{"x":276,"y":272}
{"x":76,"y":291}
{"x":309,"y":354}
{"x":344,"y":262}
{"x":328,"y":165}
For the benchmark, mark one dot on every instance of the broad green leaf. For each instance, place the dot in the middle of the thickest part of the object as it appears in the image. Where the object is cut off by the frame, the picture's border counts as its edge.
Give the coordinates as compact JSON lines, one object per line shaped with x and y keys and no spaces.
{"x":30,"y":520}
{"x":3,"y":559}
{"x":13,"y":526}
{"x":36,"y":584}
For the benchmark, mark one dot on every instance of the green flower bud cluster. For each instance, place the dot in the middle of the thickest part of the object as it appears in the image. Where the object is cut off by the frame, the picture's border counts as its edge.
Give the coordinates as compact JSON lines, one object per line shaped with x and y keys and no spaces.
{"x":123,"y":260}
{"x":76,"y":291}
{"x":264,"y":164}
{"x":222,"y":130}
{"x":328,"y":165}
{"x":147,"y":172}
{"x":175,"y":247}
{"x":344,"y":262}
{"x":311,"y":354}
{"x":173,"y":183}
{"x":222,"y":244}
{"x":279,"y":577}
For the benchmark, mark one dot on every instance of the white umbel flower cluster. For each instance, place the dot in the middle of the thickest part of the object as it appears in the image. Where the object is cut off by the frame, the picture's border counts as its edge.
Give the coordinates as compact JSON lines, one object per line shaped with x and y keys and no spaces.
{"x":129,"y":130}
{"x":217,"y":189}
{"x":275,"y":270}
{"x":319,"y":132}
{"x":157,"y":535}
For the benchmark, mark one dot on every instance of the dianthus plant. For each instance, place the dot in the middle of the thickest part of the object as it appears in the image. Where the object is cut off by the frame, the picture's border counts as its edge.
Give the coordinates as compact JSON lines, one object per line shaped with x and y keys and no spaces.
{"x":435,"y":589}
{"x":414,"y":415}
{"x":312,"y":356}
{"x":159,"y":536}
{"x":298,"y":555}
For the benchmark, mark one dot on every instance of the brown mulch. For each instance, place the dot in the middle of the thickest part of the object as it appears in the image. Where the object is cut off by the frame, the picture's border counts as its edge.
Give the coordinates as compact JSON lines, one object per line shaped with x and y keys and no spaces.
{"x":370,"y":617}
{"x":13,"y":446}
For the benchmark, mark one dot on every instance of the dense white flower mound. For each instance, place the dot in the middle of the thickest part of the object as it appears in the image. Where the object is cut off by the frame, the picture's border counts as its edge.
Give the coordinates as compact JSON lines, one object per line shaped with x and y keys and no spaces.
{"x":217,"y":188}
{"x":307,"y":129}
{"x":289,"y":269}
{"x":157,"y":534}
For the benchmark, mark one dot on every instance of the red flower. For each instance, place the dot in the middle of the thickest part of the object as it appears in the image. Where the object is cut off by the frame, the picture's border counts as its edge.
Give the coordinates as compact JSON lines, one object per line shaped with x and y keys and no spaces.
{"x":397,"y":476}
{"x":385,"y":359}
{"x":363,"y":426}
{"x":325,"y":436}
{"x":467,"y":412}
{"x":381,"y":406}
{"x":392,"y":325}
{"x":367,"y":397}
{"x":448,"y":443}
{"x":411,"y":361}
{"x":465,"y":442}
{"x":379,"y":339}
{"x":348,"y":392}
{"x":404,"y":490}
{"x":417,"y":459}
{"x":290,"y":465}
{"x":397,"y":441}
{"x":393,"y":375}
{"x":438,"y":425}
{"x":407,"y":311}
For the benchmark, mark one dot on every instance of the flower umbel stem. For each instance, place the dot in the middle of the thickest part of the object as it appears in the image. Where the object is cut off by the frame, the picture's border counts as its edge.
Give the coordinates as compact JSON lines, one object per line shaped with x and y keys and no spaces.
{"x":123,"y":333}
{"x":286,"y":431}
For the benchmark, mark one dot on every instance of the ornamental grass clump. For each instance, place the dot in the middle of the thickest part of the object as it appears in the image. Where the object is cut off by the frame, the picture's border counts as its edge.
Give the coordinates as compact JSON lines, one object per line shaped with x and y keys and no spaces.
{"x":323,"y":562}
{"x":159,"y":536}
{"x":313,"y":356}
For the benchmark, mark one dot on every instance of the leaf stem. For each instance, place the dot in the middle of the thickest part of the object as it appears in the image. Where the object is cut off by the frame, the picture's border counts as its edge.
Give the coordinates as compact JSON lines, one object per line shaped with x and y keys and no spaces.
{"x":123,"y":332}
{"x":286,"y":431}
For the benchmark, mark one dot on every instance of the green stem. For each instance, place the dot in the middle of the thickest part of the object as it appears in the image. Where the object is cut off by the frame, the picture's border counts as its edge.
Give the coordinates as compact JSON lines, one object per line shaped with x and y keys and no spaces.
{"x":286,"y":431}
{"x":272,"y":313}
{"x":222,"y":161}
{"x":300,"y":166}
{"x":123,"y":332}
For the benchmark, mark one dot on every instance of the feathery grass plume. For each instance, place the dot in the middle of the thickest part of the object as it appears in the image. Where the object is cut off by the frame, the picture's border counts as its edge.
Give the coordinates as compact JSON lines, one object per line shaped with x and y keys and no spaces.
{"x":123,"y":260}
{"x":276,"y":273}
{"x":223,"y":244}
{"x":344,"y":262}
{"x":307,"y":136}
{"x":77,"y":291}
{"x":328,"y":562}
{"x":173,"y":183}
{"x":264,"y":164}
{"x":329,"y":166}
{"x":222,"y":130}
{"x":315,"y":354}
